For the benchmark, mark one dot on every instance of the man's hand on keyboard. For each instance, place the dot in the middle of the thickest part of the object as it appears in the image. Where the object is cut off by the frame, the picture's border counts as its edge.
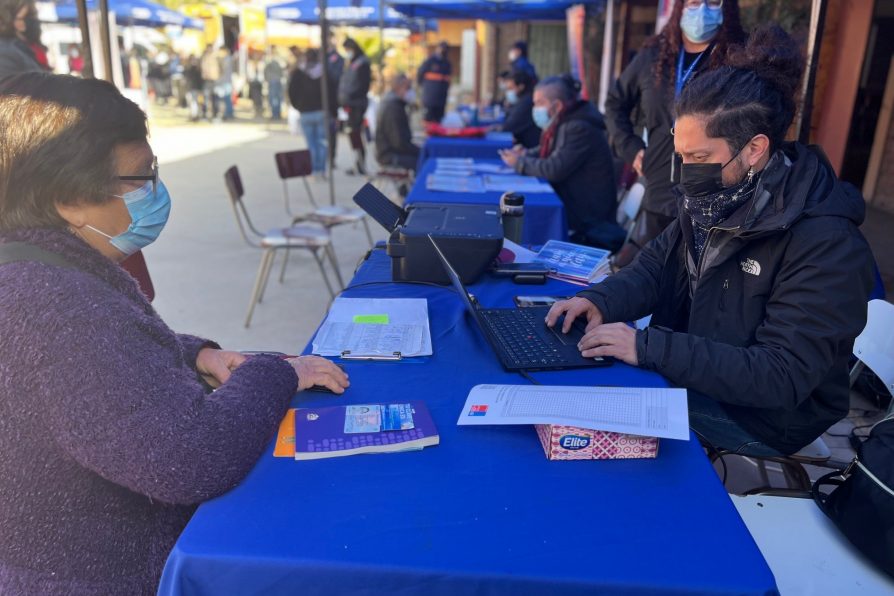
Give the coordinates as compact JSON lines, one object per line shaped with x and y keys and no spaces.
{"x":572,"y":309}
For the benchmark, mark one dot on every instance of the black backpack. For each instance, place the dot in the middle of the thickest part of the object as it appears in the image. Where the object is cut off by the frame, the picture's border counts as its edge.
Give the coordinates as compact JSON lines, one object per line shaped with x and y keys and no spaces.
{"x":862,"y":502}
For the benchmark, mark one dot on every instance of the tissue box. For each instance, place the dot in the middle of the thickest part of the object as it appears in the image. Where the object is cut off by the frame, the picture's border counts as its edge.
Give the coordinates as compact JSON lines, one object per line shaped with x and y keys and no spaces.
{"x":571,"y":442}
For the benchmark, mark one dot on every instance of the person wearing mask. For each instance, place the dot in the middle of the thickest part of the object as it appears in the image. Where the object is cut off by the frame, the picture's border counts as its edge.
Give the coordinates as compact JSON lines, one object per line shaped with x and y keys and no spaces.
{"x":75,"y":60}
{"x":273,"y":75}
{"x":335,"y":65}
{"x":574,"y":157}
{"x":519,"y":98}
{"x":353,"y":89}
{"x":223,"y":87}
{"x":306,"y":96}
{"x":15,"y":53}
{"x":32,"y":37}
{"x":518,"y":60}
{"x":394,"y":140}
{"x":210,"y":73}
{"x":759,"y":286}
{"x":110,"y":432}
{"x":695,"y":40}
{"x":433,"y":78}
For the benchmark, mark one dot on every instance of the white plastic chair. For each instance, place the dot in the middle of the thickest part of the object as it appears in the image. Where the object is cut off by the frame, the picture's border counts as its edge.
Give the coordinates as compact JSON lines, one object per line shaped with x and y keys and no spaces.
{"x":874,"y":347}
{"x":805,"y":551}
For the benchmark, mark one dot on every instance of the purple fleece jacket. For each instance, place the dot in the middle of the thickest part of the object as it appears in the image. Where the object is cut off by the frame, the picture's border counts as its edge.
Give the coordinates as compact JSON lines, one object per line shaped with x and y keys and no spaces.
{"x":108,"y":440}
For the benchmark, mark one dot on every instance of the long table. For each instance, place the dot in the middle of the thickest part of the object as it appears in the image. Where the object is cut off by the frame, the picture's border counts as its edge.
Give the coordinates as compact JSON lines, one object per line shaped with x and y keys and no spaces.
{"x":482,"y":513}
{"x":487,"y":147}
{"x":544,"y":212}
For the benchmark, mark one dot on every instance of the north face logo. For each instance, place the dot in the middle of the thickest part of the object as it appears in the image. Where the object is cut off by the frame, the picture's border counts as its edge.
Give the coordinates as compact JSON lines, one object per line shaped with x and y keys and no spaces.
{"x":751,"y":266}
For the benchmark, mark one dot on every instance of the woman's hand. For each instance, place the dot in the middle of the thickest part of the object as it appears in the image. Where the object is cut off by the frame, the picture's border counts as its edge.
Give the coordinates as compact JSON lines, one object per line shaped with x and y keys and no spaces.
{"x":572,"y":309}
{"x":617,"y":340}
{"x":638,"y":162}
{"x":313,"y":370}
{"x":215,"y":365}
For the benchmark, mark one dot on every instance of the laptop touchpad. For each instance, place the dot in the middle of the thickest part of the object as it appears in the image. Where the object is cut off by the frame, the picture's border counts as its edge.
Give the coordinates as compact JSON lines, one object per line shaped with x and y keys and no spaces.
{"x":574,"y":335}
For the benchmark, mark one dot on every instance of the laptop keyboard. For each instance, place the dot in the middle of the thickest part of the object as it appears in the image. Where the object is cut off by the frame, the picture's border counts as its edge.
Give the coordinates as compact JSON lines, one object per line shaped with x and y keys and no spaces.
{"x":516,"y":330}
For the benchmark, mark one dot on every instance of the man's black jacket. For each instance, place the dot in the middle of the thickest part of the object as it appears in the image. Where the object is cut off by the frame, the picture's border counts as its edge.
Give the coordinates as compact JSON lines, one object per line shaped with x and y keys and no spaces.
{"x":520,"y":122}
{"x":579,"y":167}
{"x":393,"y":134}
{"x":765,"y":323}
{"x":434,"y":79}
{"x":354,"y":83}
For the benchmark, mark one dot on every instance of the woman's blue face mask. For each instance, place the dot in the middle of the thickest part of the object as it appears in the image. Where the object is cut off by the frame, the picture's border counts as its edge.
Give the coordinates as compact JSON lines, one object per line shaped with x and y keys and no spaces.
{"x":701,"y":24}
{"x":149,"y":207}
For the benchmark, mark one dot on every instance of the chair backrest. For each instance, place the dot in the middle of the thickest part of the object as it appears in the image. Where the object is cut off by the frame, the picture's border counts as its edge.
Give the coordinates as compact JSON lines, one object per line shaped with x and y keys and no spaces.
{"x":233,"y":181}
{"x":294,"y":164}
{"x":875,"y":345}
{"x":630,"y":204}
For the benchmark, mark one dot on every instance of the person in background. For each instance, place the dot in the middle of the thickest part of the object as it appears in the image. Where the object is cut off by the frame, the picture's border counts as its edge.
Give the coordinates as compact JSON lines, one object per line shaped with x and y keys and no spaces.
{"x":15,"y":54}
{"x":335,"y":65}
{"x":110,"y":432}
{"x":353,"y":89}
{"x":518,"y":60}
{"x":306,"y":96}
{"x":255,"y":72}
{"x":223,"y":87}
{"x":32,"y":35}
{"x":394,"y":140}
{"x":759,"y":286}
{"x":695,"y":40}
{"x":192,"y":75}
{"x":210,"y":73}
{"x":519,"y":99}
{"x":273,"y":75}
{"x":433,"y":78}
{"x":575,"y":158}
{"x":75,"y":60}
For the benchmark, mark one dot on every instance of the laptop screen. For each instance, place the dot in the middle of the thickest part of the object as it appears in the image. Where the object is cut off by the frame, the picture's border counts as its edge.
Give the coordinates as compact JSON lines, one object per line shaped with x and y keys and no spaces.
{"x":455,"y":280}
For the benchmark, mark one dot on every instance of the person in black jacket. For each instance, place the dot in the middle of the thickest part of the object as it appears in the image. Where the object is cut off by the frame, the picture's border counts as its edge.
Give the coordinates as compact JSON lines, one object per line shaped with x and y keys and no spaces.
{"x":434,"y":79}
{"x":394,"y":140}
{"x":692,"y":42}
{"x":518,"y":60}
{"x":335,"y":66}
{"x":306,"y":96}
{"x":15,"y":54}
{"x":353,"y":88}
{"x":759,"y":287}
{"x":519,"y":94}
{"x":574,"y":157}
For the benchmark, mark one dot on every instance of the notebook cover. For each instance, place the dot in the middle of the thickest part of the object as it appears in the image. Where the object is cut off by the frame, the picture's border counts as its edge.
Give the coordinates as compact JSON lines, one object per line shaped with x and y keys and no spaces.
{"x":285,"y":438}
{"x":319,"y":433}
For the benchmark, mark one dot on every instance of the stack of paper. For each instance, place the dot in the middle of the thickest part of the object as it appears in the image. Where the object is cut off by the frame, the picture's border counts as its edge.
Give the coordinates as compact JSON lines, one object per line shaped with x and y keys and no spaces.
{"x":575,"y":263}
{"x":451,"y":182}
{"x":515,"y":183}
{"x":375,"y":328}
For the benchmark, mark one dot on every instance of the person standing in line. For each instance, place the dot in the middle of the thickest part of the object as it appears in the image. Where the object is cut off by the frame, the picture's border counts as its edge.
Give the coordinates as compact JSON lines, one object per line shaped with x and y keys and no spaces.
{"x":434,"y":80}
{"x":306,"y":96}
{"x":273,"y":75}
{"x":335,"y":65}
{"x":15,"y":54}
{"x":223,"y":88}
{"x":696,"y":39}
{"x":194,"y":84}
{"x":353,"y":90}
{"x":210,"y":74}
{"x":518,"y":60}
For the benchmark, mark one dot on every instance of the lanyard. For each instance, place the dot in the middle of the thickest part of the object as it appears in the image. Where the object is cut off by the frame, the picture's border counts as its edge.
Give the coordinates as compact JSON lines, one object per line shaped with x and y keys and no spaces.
{"x":683,"y":77}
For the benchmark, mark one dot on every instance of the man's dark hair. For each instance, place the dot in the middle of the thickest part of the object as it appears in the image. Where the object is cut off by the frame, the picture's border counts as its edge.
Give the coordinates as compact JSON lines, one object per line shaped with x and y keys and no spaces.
{"x":351,"y":44}
{"x":57,"y":138}
{"x":755,"y":94}
{"x":564,"y":87}
{"x":522,"y":47}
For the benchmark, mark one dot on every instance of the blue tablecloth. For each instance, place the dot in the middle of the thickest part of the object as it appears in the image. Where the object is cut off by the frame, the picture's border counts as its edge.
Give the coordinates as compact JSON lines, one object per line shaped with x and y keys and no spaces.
{"x":544,"y":212}
{"x":484,"y":148}
{"x":482,"y":513}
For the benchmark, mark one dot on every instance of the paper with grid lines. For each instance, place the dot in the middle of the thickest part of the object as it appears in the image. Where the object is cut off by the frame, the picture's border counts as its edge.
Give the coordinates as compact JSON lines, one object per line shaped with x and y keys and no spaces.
{"x":649,"y":412}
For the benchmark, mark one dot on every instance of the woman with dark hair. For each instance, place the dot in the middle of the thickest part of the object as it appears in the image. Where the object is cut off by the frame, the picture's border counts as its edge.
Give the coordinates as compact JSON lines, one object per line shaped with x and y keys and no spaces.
{"x":110,"y":433}
{"x":306,"y":96}
{"x":353,"y":88}
{"x":519,"y":121}
{"x":17,"y":17}
{"x":574,"y":157}
{"x":697,"y":38}
{"x":759,"y":287}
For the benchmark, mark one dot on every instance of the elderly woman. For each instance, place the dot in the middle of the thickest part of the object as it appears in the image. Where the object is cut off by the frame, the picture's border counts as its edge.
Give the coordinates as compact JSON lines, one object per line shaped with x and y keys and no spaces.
{"x":109,"y":435}
{"x":15,"y":54}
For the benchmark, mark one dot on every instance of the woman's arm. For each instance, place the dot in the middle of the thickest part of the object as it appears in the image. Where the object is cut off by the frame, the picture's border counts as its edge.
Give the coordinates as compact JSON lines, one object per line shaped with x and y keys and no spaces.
{"x":622,"y":99}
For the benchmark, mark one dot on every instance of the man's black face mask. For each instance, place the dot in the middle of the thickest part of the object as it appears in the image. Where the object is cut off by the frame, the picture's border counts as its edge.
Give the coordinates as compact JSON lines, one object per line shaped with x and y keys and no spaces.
{"x":699,"y":179}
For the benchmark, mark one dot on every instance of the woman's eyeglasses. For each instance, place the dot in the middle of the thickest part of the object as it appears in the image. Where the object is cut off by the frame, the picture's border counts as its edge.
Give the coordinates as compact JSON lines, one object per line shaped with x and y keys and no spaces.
{"x":153,"y":177}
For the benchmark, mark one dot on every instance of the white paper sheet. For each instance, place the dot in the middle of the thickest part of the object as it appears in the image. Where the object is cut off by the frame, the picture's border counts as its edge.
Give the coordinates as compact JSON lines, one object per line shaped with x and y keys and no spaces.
{"x":648,"y":412}
{"x":406,"y":331}
{"x":516,"y":183}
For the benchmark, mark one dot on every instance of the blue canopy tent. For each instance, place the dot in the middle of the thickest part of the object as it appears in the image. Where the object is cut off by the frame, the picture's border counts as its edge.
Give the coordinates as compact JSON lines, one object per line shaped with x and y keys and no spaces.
{"x":354,"y":13}
{"x":140,"y":13}
{"x":488,"y":10}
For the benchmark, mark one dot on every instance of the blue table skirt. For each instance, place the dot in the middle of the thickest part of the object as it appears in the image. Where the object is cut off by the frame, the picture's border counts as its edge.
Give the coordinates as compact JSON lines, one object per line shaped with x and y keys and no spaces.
{"x":482,"y":513}
{"x":483,"y":148}
{"x":544,"y":212}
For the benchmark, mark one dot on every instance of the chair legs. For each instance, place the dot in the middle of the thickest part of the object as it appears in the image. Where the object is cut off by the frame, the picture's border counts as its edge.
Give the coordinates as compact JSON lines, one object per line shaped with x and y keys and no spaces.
{"x":282,"y":272}
{"x":260,"y":282}
{"x":323,"y":272}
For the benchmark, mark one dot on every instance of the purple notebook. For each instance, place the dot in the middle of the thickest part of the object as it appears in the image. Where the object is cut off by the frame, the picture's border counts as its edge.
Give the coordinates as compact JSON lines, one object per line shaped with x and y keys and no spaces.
{"x":320,"y":433}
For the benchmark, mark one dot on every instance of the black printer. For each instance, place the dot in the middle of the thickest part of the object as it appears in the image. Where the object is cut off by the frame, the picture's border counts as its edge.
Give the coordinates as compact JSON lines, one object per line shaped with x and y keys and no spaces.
{"x":470,"y":236}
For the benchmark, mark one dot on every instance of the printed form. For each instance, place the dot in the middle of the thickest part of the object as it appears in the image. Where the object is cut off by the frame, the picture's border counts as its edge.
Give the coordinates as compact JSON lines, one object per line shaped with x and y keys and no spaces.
{"x":648,"y":412}
{"x":375,"y":327}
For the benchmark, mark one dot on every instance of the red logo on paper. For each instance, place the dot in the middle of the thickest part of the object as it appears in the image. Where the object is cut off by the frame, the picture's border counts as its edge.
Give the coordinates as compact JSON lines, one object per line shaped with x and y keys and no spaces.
{"x":478,"y":411}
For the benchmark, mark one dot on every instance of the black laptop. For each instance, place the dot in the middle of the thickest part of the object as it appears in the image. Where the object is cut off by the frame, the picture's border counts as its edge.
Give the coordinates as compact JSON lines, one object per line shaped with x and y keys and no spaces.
{"x":520,"y":337}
